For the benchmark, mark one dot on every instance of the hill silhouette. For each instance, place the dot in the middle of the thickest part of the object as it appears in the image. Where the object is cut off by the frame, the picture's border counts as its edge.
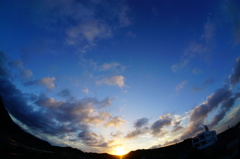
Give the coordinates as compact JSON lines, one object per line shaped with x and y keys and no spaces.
{"x":16,"y":143}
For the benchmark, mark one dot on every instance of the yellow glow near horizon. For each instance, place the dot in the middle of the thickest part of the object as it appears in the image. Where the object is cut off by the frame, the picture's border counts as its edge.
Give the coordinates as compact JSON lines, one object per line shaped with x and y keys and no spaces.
{"x":120,"y":151}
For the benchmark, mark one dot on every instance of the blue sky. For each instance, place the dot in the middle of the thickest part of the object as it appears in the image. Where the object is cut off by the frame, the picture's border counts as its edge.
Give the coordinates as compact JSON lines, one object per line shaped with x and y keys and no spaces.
{"x":115,"y":76}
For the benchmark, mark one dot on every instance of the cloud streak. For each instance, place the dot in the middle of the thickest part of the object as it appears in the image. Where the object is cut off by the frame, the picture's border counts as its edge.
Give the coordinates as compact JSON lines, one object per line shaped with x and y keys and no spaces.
{"x":114,"y":80}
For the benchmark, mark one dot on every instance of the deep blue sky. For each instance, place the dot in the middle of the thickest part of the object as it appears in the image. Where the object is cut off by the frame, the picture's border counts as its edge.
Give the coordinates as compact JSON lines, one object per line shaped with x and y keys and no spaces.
{"x":115,"y":76}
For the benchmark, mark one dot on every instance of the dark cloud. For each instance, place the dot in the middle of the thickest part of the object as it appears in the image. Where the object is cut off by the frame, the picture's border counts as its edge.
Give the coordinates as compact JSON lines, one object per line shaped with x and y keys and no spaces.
{"x":43,"y":100}
{"x":46,"y":115}
{"x":235,"y":76}
{"x":212,"y":102}
{"x":137,"y":132}
{"x":3,"y":60}
{"x":157,"y":126}
{"x":140,"y":122}
{"x":65,"y":93}
{"x":225,"y":107}
{"x":220,"y":98}
{"x":139,"y":129}
{"x":177,"y":126}
{"x":91,"y":139}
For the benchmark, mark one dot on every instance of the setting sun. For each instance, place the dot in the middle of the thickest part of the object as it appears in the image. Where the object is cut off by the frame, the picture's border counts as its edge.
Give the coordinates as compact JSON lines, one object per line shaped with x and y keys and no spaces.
{"x":120,"y":151}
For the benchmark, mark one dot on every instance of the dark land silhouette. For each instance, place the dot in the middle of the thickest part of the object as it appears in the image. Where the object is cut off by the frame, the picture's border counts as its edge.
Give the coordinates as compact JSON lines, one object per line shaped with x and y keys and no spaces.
{"x":16,"y":143}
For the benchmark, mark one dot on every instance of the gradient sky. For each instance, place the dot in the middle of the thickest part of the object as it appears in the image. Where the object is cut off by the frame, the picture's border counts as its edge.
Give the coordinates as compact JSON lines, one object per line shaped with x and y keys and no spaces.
{"x":119,"y":75}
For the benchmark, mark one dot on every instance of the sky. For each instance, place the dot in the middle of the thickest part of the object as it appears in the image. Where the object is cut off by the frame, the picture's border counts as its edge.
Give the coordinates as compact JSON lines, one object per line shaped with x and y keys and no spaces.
{"x":119,"y":75}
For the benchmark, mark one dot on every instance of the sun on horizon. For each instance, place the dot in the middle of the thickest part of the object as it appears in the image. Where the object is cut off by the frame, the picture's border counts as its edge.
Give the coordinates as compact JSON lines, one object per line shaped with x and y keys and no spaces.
{"x":119,"y":151}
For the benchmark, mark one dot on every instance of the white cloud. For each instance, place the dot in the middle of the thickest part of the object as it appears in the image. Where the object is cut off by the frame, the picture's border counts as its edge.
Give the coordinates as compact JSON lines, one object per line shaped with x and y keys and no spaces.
{"x":114,"y":80}
{"x":108,"y":66}
{"x":48,"y":82}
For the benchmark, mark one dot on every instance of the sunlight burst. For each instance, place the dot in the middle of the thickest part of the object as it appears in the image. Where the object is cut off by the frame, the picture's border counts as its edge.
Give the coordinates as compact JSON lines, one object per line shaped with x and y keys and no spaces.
{"x":120,"y":151}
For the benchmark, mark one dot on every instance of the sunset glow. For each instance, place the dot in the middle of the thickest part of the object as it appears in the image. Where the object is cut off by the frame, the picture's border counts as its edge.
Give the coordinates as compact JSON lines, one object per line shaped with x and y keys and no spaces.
{"x":120,"y":151}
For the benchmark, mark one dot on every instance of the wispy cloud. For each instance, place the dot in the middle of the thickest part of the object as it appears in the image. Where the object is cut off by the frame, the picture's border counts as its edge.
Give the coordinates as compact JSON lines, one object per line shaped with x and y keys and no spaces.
{"x":235,"y":76}
{"x":81,"y":23}
{"x":90,"y":31}
{"x":47,"y":82}
{"x":203,"y":85}
{"x":86,"y":90}
{"x":231,"y":9}
{"x":198,"y":48}
{"x":181,"y":85}
{"x":114,"y":80}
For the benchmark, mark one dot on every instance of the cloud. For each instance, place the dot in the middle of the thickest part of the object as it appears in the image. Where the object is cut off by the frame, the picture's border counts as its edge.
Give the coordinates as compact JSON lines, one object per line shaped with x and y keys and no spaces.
{"x":197,"y":48}
{"x":181,"y":85}
{"x":139,"y":128}
{"x":141,"y":122}
{"x":114,"y":80}
{"x":231,"y":8}
{"x":16,"y":63}
{"x":124,"y":20}
{"x":177,"y":126}
{"x":92,"y":139}
{"x":66,"y":93}
{"x":157,"y":126}
{"x":235,"y":76}
{"x":225,"y":107}
{"x":116,"y":134}
{"x":24,"y":72}
{"x":85,"y":90}
{"x":137,"y":132}
{"x":90,"y":31}
{"x":108,"y":66}
{"x":85,"y":23}
{"x":66,"y":120}
{"x":203,"y":85}
{"x":200,"y":112}
{"x":212,"y":102}
{"x":48,"y":82}
{"x":43,"y":100}
{"x":115,"y":122}
{"x":196,"y":71}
